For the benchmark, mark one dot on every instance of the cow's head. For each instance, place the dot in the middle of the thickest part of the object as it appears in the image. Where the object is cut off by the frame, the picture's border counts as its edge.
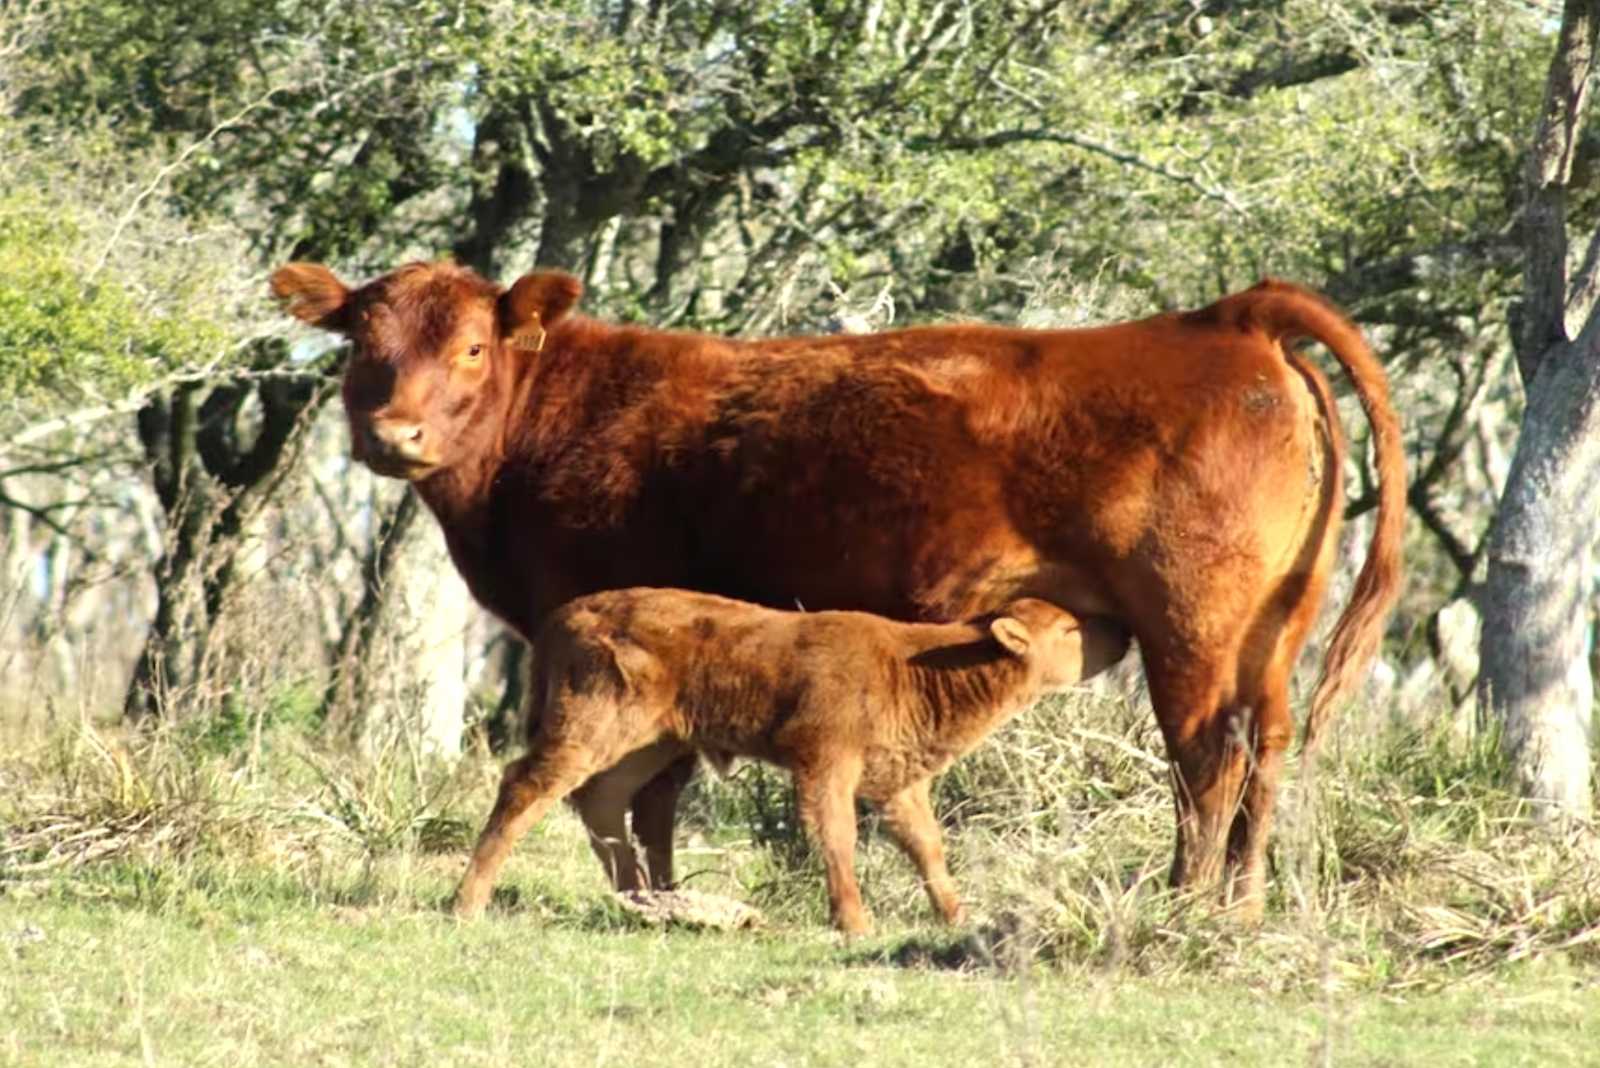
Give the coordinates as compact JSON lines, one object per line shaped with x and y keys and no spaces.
{"x":435,"y":351}
{"x":1060,"y":647}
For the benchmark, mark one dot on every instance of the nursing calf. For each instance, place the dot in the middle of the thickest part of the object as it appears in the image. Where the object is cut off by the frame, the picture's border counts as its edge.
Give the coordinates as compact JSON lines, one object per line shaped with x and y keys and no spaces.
{"x":1182,"y":474}
{"x":854,"y":705}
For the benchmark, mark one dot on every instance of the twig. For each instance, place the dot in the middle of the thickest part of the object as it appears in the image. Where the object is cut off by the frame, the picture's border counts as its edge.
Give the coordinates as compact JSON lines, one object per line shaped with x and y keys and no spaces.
{"x":170,"y":169}
{"x":136,"y":399}
{"x":1129,"y":159}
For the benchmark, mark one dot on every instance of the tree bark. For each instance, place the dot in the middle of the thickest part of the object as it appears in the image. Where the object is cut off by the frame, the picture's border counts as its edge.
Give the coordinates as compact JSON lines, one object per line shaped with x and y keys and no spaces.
{"x":210,"y":484}
{"x":405,"y":675}
{"x":1535,"y":669}
{"x":1543,"y":321}
{"x":1535,"y":675}
{"x":169,"y":656}
{"x":345,"y":699}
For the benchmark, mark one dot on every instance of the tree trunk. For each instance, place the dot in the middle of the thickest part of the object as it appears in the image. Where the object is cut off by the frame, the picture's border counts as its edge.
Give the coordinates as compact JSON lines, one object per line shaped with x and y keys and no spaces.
{"x":433,"y":609}
{"x":169,"y":656}
{"x":345,"y":699}
{"x":1535,"y":666}
{"x":211,"y":483}
{"x":408,"y":678}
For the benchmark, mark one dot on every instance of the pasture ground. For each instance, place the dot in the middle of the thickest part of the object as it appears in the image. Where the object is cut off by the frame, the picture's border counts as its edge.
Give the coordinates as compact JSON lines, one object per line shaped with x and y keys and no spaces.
{"x":242,"y":894}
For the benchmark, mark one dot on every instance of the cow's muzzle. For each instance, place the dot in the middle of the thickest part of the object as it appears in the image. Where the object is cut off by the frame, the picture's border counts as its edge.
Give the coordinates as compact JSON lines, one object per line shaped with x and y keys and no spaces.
{"x":399,"y":448}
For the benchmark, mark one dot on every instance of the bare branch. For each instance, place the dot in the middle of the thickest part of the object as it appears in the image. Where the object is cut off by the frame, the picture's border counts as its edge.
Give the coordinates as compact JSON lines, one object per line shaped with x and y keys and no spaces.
{"x":1128,"y":159}
{"x":135,"y":399}
{"x":169,"y":170}
{"x":41,"y":512}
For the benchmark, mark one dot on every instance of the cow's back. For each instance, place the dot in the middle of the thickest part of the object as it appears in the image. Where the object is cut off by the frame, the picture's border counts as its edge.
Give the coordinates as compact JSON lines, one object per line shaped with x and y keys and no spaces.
{"x":937,"y":473}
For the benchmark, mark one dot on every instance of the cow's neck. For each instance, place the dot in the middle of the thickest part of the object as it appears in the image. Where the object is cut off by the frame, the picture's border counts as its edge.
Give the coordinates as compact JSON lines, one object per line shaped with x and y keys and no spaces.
{"x":540,"y":400}
{"x":967,"y":685}
{"x":561,"y":391}
{"x":504,"y":526}
{"x":459,"y":496}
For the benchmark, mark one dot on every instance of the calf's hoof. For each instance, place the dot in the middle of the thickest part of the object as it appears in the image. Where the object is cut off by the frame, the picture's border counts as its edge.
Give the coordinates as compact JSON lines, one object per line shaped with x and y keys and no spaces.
{"x":469,"y":905}
{"x":1246,"y":912}
{"x":854,"y":925}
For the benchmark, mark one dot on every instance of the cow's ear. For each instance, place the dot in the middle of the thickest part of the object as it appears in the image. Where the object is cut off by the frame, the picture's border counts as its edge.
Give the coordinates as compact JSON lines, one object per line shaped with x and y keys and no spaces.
{"x":534,"y":303}
{"x":1013,"y":635}
{"x":313,"y":294}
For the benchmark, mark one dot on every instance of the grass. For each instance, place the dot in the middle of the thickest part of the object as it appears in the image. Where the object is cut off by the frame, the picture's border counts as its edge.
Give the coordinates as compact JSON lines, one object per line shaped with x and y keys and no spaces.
{"x":165,"y":899}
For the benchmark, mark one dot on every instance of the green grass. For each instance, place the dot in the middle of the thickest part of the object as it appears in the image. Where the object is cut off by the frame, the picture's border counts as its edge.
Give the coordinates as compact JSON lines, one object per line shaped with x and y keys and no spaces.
{"x":164,"y":901}
{"x":91,"y":981}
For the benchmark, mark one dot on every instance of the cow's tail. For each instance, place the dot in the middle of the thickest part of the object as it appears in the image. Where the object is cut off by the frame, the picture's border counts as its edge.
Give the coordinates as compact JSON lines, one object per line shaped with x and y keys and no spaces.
{"x":1288,"y":313}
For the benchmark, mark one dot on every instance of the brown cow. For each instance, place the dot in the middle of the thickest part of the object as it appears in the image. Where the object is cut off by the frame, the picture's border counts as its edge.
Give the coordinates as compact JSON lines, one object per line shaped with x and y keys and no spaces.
{"x":853,"y":704}
{"x":1182,"y":474}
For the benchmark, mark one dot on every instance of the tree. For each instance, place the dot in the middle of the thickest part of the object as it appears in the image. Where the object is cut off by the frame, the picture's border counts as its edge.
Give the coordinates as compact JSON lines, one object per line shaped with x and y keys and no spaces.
{"x":107,"y":299}
{"x":212,"y":476}
{"x":751,"y":167}
{"x":1534,"y":650}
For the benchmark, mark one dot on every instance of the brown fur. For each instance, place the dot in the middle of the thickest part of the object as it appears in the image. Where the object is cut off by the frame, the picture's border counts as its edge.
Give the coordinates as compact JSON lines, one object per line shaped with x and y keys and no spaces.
{"x":855,"y":705}
{"x":1182,"y":474}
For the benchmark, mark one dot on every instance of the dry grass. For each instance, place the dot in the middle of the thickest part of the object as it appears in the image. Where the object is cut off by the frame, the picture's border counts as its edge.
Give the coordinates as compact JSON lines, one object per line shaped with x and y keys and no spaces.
{"x":1405,"y":865}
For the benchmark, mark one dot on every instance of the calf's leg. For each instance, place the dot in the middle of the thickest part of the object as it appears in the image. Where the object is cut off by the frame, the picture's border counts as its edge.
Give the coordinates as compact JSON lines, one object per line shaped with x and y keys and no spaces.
{"x":636,"y":782}
{"x":825,"y":790}
{"x":909,"y":816}
{"x":655,"y":812}
{"x":602,"y":804}
{"x":527,"y":790}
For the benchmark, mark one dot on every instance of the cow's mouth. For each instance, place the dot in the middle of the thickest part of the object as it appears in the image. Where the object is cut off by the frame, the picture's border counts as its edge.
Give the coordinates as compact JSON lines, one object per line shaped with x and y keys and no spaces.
{"x":389,"y":466}
{"x":393,"y":455}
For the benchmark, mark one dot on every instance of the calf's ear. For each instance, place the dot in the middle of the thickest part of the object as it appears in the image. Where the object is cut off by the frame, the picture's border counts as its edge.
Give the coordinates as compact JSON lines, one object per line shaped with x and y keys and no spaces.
{"x":313,"y":294}
{"x":534,"y":303}
{"x":1012,"y":634}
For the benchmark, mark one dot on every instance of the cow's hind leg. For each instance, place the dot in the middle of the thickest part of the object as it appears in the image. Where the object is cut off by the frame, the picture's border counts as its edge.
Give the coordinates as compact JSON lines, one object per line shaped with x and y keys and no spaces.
{"x":909,"y":816}
{"x":1270,"y":731}
{"x":1204,"y":729}
{"x":527,"y":790}
{"x":1273,"y":730}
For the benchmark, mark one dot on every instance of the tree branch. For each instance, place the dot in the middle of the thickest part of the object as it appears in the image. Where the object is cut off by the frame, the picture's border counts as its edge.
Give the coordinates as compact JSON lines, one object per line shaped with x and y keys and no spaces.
{"x":168,"y":171}
{"x":1544,"y":221}
{"x":137,"y":398}
{"x":1585,"y":289}
{"x":1129,"y":159}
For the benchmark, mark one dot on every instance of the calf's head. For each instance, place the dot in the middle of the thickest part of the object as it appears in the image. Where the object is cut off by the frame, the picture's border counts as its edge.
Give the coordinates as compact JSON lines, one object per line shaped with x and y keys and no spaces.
{"x":1062,"y":648}
{"x":435,"y":349}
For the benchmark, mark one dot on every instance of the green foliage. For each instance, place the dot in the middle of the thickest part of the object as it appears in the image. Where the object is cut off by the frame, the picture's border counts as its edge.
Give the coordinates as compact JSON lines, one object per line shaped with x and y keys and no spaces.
{"x":948,"y":146}
{"x":288,"y":714}
{"x":66,"y":335}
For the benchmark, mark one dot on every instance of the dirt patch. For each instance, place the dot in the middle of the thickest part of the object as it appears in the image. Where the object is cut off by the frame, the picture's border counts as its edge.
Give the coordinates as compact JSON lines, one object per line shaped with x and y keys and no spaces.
{"x":690,"y":908}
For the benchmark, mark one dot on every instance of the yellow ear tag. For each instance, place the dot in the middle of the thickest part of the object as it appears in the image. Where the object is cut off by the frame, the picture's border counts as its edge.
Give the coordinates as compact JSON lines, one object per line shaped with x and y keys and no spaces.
{"x":529,"y":337}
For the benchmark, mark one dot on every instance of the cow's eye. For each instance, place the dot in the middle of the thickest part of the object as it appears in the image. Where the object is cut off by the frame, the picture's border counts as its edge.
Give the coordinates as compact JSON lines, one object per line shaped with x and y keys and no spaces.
{"x":474,"y":352}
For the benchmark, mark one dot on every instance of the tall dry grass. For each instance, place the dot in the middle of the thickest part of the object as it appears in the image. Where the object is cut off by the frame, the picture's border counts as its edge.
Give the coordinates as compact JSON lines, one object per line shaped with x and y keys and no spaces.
{"x":1405,"y":862}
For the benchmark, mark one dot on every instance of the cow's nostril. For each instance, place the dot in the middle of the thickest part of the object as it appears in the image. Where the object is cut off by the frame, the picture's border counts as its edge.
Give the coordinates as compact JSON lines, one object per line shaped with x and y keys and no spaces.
{"x":396,"y":438}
